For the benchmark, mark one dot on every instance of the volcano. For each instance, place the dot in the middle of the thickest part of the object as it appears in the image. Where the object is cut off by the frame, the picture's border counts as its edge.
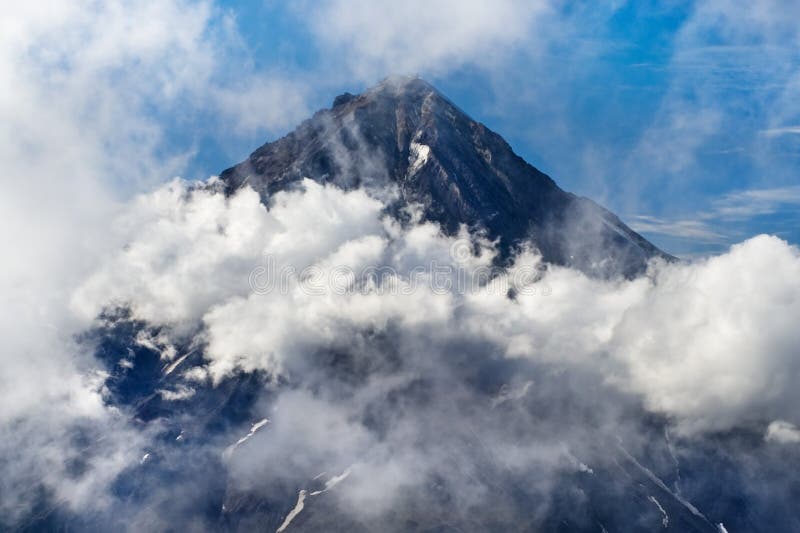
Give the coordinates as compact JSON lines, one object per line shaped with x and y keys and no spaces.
{"x":406,"y":136}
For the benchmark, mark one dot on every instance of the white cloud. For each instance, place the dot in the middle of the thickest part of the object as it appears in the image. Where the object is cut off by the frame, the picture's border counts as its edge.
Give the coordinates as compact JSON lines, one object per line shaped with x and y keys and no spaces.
{"x":260,"y":103}
{"x":725,"y":57}
{"x":709,"y":226}
{"x":379,"y":38}
{"x":180,"y":393}
{"x":754,"y":202}
{"x":85,"y":87}
{"x":690,"y":229}
{"x":671,"y":143}
{"x":783,"y":130}
{"x":188,"y":250}
{"x":710,"y":343}
{"x":782,"y":432}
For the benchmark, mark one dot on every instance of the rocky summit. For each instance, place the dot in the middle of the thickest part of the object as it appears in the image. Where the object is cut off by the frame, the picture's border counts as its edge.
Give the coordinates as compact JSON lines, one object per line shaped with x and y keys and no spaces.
{"x":405,"y":135}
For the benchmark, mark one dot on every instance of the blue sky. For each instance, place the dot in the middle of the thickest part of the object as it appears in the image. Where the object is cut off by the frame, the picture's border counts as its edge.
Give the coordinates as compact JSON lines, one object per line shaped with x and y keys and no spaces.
{"x":679,"y":116}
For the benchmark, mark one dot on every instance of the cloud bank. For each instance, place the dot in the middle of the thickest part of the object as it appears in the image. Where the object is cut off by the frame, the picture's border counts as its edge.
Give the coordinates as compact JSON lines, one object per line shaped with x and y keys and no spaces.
{"x":364,"y":377}
{"x":709,"y":343}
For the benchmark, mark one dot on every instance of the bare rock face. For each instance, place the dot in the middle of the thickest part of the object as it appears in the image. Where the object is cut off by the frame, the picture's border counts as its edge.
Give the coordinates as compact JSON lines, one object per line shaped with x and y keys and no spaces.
{"x":405,"y":134}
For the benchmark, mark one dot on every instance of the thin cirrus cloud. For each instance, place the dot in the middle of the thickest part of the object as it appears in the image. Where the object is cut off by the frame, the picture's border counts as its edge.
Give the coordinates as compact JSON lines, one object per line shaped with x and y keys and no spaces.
{"x":722,"y":222}
{"x":724,"y":58}
{"x":755,"y":202}
{"x":783,"y":130}
{"x":726,"y":219}
{"x":696,"y":230}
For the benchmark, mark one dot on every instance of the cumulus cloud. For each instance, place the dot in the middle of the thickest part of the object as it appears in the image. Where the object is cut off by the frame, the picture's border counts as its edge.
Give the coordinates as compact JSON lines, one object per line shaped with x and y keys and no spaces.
{"x":85,"y":89}
{"x":368,"y":356}
{"x":709,"y":343}
{"x":712,"y":342}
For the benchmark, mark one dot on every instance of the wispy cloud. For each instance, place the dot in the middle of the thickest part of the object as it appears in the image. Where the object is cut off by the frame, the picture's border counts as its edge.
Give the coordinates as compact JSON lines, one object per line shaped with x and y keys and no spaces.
{"x":755,"y":202}
{"x":783,"y":130}
{"x":714,"y":225}
{"x":687,"y":228}
{"x":726,"y":57}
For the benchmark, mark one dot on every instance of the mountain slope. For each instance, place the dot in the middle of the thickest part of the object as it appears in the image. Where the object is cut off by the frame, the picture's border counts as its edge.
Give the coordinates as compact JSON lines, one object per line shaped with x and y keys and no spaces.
{"x":403,"y":133}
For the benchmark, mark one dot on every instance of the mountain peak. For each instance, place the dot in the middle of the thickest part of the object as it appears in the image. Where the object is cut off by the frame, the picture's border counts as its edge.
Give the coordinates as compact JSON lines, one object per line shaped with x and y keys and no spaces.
{"x":393,"y":92}
{"x":403,"y":86}
{"x":404,"y":133}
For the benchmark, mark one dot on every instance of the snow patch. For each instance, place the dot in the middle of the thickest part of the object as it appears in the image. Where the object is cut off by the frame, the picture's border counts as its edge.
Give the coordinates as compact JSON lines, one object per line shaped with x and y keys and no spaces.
{"x":172,"y":366}
{"x":655,"y":479}
{"x":301,"y":498}
{"x":665,"y":519}
{"x":253,"y":429}
{"x":418,"y":156}
{"x":332,"y":482}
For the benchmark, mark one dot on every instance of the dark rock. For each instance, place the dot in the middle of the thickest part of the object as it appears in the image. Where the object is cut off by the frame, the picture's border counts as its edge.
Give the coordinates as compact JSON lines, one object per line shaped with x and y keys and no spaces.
{"x":405,"y":133}
{"x":343,"y":99}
